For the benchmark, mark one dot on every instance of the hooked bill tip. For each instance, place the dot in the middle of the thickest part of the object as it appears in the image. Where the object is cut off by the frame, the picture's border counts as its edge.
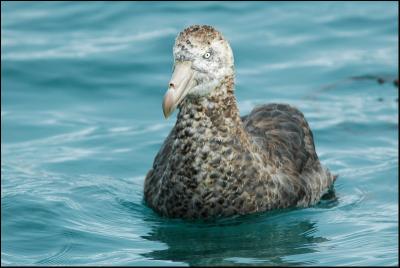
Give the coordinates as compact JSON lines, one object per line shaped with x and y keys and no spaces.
{"x":168,"y":104}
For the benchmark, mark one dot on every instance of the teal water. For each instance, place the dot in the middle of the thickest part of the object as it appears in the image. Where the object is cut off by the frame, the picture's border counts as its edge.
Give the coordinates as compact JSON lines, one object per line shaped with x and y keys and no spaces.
{"x":81,"y":120}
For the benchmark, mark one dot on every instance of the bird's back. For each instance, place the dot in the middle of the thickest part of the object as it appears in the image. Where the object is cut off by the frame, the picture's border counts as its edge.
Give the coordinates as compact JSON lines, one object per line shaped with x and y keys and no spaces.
{"x":282,"y":132}
{"x":284,"y":136}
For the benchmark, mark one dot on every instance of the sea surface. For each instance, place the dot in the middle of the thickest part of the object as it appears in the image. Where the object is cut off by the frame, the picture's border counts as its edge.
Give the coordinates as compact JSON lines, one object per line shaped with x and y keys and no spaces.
{"x":81,"y":123}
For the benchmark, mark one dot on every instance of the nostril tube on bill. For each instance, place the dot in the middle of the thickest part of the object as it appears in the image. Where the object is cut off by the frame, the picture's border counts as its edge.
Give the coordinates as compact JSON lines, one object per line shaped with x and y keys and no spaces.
{"x":171,"y":85}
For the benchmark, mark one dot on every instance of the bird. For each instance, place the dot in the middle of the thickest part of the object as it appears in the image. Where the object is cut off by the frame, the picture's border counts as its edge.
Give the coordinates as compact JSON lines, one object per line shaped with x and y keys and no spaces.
{"x":215,"y":163}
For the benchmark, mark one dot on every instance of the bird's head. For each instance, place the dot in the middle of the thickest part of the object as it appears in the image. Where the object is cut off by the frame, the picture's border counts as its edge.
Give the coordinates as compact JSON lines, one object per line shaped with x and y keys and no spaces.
{"x":202,"y":59}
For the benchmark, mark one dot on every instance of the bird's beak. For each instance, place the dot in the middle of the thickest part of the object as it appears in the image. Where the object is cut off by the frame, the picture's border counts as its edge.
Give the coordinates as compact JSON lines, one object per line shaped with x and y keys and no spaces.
{"x":180,"y":84}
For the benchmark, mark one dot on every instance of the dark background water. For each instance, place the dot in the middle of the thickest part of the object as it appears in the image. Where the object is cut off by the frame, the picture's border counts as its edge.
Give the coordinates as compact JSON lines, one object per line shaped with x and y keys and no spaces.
{"x":81,"y":120}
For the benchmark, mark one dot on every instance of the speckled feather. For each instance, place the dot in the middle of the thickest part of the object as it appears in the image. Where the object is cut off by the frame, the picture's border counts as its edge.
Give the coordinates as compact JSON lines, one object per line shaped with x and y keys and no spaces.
{"x":214,"y":163}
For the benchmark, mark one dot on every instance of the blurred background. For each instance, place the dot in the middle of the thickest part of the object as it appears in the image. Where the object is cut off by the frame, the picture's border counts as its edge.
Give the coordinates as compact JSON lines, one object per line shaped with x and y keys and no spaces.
{"x":81,"y":120}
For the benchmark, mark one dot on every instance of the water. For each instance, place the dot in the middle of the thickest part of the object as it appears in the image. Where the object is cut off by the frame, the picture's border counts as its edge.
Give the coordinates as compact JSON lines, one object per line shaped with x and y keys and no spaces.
{"x":81,"y":120}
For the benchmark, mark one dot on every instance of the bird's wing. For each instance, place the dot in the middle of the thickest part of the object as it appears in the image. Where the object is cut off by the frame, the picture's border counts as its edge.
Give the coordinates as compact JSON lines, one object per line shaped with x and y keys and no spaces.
{"x":162,"y":155}
{"x":283,"y":134}
{"x":160,"y":163}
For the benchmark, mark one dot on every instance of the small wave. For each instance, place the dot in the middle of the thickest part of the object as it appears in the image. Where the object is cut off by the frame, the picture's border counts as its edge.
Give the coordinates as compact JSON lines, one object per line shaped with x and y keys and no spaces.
{"x":348,"y":202}
{"x":58,"y":258}
{"x":62,"y":138}
{"x":77,"y":46}
{"x":290,"y":40}
{"x":329,"y":59}
{"x":120,"y":129}
{"x":3,"y":113}
{"x":356,"y":172}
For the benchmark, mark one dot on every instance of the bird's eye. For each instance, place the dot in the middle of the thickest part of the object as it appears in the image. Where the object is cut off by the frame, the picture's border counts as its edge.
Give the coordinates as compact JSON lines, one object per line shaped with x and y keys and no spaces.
{"x":207,"y":55}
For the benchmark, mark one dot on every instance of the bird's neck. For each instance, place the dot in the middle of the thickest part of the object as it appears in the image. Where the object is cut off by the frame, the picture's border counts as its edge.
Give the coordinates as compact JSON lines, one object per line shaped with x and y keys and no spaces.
{"x":213,"y":118}
{"x":219,"y":106}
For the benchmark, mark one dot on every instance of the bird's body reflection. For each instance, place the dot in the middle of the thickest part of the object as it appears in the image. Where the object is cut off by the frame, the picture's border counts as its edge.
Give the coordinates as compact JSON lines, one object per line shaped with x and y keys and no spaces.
{"x":260,"y":239}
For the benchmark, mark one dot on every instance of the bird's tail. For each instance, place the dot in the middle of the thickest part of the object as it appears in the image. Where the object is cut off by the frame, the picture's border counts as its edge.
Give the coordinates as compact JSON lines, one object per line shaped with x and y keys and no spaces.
{"x":335,"y":176}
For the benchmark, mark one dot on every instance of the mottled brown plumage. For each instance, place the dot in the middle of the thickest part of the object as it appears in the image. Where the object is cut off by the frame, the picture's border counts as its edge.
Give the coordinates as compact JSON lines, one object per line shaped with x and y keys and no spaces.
{"x":214,"y":163}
